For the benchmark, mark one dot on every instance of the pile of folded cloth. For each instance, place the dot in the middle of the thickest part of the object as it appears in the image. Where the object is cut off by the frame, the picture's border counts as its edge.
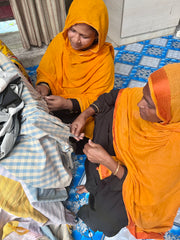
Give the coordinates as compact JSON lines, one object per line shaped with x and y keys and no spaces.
{"x":35,"y":162}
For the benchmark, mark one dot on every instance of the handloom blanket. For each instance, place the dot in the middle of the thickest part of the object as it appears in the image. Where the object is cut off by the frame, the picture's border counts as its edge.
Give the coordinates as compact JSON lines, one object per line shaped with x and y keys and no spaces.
{"x":36,"y":172}
{"x":42,"y":155}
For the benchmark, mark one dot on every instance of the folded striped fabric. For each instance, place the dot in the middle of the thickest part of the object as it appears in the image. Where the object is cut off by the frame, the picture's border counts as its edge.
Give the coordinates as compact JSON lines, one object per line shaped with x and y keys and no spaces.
{"x":42,"y":154}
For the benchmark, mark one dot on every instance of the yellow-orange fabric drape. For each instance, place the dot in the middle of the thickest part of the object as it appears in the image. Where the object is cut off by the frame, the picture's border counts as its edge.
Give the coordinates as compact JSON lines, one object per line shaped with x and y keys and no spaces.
{"x":150,"y":151}
{"x":6,"y":51}
{"x":82,"y":75}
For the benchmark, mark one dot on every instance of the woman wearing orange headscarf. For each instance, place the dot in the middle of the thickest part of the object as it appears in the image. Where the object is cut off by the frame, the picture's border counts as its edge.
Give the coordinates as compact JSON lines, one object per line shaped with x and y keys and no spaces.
{"x":142,"y":127}
{"x":78,"y":65}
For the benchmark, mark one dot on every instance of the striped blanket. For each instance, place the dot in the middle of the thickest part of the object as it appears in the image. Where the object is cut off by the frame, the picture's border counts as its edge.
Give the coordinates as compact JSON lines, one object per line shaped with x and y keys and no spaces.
{"x":35,"y":174}
{"x":42,"y":155}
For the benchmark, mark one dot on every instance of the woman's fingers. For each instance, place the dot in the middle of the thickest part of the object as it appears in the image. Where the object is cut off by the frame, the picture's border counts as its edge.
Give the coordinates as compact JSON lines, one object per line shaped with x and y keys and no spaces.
{"x":81,"y":189}
{"x":76,"y":131}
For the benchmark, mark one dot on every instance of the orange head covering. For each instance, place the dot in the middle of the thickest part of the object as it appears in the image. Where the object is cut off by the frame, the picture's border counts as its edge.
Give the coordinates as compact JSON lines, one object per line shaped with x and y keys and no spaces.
{"x":91,"y":12}
{"x":150,"y":151}
{"x":80,"y":75}
{"x":165,"y":92}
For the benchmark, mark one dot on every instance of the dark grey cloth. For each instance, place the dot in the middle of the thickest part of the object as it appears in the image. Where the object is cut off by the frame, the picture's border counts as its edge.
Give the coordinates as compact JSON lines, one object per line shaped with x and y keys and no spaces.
{"x":105,"y":210}
{"x":10,"y":107}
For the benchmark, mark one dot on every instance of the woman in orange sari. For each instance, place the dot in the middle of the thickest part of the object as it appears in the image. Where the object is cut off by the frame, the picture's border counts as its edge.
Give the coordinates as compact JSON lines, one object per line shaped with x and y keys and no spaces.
{"x":78,"y":65}
{"x":133,"y":161}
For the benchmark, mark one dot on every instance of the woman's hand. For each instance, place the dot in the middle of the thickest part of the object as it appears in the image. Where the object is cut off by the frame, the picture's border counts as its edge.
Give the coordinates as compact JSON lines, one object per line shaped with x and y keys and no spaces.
{"x":77,"y":127}
{"x":96,"y":153}
{"x":79,"y":123}
{"x":56,"y":103}
{"x":43,"y":90}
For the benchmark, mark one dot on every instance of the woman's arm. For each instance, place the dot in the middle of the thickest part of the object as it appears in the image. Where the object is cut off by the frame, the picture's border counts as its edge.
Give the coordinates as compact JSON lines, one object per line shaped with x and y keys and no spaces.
{"x":102,"y":104}
{"x":47,"y":69}
{"x":43,"y":89}
{"x":79,"y":123}
{"x":97,"y":154}
{"x":105,"y":102}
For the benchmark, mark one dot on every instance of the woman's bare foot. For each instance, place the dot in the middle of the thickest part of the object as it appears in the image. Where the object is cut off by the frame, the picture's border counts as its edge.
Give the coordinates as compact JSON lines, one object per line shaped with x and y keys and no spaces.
{"x":81,"y":189}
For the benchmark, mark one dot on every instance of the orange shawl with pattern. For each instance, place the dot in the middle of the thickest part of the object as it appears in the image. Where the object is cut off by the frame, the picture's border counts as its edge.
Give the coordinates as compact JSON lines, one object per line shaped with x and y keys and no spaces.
{"x":82,"y":75}
{"x":150,"y":151}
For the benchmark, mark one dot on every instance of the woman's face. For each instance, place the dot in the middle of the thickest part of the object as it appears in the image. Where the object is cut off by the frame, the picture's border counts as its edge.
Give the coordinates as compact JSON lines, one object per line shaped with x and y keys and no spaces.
{"x":146,"y":106}
{"x":81,"y":36}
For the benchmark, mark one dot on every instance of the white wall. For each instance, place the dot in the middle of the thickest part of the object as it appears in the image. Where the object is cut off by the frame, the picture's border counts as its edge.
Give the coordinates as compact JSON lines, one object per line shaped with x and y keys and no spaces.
{"x":136,"y":20}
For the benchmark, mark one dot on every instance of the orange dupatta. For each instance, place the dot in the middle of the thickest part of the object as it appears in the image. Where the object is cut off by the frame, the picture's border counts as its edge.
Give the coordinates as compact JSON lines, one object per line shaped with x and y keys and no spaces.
{"x":150,"y":151}
{"x":82,"y":75}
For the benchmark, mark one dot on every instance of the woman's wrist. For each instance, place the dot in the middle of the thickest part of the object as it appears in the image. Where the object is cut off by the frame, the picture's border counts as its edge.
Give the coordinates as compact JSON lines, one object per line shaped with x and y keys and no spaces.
{"x":45,"y":85}
{"x":115,"y":167}
{"x":88,"y":112}
{"x":68,"y":104}
{"x":95,"y":107}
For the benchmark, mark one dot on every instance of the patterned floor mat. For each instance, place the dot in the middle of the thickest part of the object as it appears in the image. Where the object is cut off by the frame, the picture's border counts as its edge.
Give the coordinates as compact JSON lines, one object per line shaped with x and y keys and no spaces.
{"x":133,"y":64}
